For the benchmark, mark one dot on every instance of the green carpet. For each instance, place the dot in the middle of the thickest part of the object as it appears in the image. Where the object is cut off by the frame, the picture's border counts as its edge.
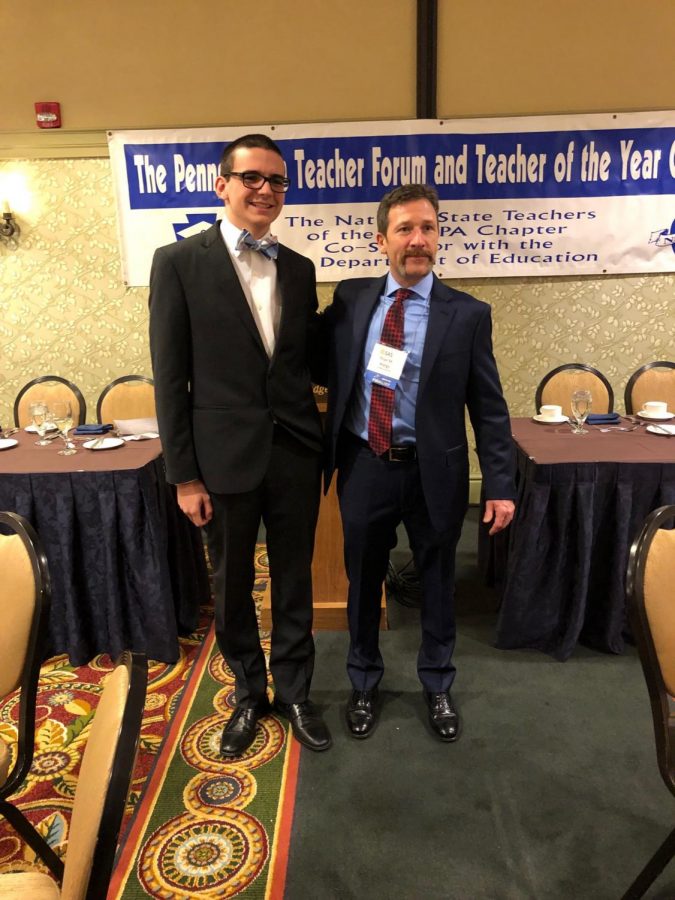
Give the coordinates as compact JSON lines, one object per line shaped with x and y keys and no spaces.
{"x":551,"y":793}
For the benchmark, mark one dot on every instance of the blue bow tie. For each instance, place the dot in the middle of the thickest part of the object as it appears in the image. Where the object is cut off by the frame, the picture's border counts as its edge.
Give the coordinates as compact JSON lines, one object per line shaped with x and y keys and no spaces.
{"x":268,"y":246}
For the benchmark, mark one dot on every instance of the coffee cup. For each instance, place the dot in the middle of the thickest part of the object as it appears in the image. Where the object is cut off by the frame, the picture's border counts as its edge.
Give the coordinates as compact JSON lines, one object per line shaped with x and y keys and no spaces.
{"x":550,"y":411}
{"x":655,"y":408}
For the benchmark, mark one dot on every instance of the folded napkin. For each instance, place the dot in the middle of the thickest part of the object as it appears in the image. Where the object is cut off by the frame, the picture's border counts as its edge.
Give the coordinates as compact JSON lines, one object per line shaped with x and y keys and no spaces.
{"x":93,"y":429}
{"x":612,"y":418}
{"x":135,"y":426}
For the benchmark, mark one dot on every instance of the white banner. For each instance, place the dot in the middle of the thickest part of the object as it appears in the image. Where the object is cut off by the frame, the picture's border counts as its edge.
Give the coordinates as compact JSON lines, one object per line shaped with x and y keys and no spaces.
{"x":551,"y":195}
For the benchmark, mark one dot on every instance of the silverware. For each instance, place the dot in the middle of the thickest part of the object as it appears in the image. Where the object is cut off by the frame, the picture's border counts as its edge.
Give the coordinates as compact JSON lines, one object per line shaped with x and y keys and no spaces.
{"x":661,"y":429}
{"x":8,"y":433}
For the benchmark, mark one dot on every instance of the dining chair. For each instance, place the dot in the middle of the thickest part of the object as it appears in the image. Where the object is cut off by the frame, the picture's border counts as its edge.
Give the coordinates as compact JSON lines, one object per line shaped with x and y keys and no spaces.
{"x":100,"y":795}
{"x":558,"y":385}
{"x":651,"y":608}
{"x":48,"y":388}
{"x":25,"y":597}
{"x":128,"y":397}
{"x":653,"y":381}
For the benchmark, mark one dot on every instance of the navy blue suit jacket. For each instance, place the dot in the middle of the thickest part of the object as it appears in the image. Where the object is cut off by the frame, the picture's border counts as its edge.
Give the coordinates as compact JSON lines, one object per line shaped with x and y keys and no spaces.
{"x":458,"y":372}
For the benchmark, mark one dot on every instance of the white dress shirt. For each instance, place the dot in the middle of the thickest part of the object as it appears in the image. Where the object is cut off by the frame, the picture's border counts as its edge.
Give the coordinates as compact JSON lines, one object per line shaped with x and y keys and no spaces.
{"x":258,"y":278}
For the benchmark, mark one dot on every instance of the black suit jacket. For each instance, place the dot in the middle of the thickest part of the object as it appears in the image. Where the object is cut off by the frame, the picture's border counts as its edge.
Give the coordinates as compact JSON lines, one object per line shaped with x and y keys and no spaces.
{"x":458,"y":371}
{"x":218,"y":394}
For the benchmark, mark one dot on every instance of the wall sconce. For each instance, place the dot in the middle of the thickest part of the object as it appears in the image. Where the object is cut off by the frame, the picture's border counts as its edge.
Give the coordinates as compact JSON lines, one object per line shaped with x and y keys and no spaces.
{"x":9,"y":227}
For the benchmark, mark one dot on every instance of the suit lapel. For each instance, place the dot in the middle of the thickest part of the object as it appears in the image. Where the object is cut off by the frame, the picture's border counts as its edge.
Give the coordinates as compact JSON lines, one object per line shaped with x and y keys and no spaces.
{"x":442,"y":312}
{"x":226,"y":284}
{"x":365,"y":303}
{"x":350,"y":346}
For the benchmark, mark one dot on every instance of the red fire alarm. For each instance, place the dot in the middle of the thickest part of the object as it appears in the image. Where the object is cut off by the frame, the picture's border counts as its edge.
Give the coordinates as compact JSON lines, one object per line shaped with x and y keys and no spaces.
{"x":48,"y":114}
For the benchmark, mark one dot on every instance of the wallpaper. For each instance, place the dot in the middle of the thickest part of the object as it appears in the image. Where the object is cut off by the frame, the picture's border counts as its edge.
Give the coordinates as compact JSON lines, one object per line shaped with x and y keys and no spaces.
{"x":66,"y":311}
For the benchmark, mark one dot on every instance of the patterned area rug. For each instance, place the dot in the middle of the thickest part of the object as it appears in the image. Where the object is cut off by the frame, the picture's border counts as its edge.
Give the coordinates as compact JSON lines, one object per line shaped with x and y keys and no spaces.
{"x":196,"y":826}
{"x":66,"y":703}
{"x":206,"y":827}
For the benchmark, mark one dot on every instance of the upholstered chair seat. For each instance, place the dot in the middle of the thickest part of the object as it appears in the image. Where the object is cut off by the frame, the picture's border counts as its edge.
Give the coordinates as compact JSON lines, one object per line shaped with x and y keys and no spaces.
{"x":28,"y":886}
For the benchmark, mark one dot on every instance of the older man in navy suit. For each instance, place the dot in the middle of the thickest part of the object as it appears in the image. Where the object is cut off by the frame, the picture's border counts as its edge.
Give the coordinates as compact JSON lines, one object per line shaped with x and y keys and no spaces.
{"x":407,"y":356}
{"x":231,"y":319}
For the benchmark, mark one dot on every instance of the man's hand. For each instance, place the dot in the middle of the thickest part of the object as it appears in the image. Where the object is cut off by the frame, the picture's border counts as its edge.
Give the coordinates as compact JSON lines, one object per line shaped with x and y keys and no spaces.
{"x":500,"y":513}
{"x":194,"y":500}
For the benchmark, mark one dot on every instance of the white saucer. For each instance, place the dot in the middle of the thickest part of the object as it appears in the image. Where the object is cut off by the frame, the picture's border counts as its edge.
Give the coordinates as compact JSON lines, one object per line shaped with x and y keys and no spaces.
{"x":655,"y":417}
{"x":663,"y":430}
{"x":31,"y":429}
{"x":6,"y":443}
{"x":106,"y":443}
{"x":549,"y":421}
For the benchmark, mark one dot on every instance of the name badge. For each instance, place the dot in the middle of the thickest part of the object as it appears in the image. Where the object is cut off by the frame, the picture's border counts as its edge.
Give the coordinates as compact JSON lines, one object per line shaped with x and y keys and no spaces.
{"x":385,"y":365}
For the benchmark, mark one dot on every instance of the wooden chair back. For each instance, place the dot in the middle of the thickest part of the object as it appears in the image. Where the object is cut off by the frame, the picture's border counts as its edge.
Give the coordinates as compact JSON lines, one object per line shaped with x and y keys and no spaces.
{"x":48,"y":389}
{"x":653,"y":381}
{"x":104,"y":780}
{"x":558,"y":385}
{"x":651,"y":607}
{"x":25,"y":596}
{"x":128,"y":397}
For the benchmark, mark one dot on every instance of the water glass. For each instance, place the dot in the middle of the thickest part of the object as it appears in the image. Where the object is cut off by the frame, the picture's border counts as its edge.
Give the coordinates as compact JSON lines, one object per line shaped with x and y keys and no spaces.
{"x":581,"y":406}
{"x":39,"y":412}
{"x":62,"y":416}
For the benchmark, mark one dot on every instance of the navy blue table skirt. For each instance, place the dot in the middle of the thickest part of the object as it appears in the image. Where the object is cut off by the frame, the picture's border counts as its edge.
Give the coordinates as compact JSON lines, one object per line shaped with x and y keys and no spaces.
{"x":561,"y":565}
{"x":127,"y":567}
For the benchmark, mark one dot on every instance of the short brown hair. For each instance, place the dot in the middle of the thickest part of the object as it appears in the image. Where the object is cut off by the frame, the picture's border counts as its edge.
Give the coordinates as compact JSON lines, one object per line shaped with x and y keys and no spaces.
{"x":403,"y":194}
{"x":249,"y":141}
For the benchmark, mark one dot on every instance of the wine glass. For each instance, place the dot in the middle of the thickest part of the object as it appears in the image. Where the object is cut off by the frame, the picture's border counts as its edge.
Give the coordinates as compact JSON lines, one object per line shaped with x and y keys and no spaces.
{"x":62,"y":416}
{"x":40,"y":415}
{"x":581,"y":406}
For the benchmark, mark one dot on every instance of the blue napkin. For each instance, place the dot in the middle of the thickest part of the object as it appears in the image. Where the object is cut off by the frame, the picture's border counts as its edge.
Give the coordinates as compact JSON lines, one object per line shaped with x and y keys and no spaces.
{"x":612,"y":418}
{"x":92,"y":429}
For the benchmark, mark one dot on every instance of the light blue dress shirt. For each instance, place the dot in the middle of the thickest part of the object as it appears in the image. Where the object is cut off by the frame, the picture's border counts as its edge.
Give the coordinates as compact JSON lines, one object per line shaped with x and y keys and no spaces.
{"x":416,"y":309}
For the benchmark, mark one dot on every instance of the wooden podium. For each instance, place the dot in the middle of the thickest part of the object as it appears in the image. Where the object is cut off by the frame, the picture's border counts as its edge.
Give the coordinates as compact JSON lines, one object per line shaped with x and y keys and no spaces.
{"x":328,"y":574}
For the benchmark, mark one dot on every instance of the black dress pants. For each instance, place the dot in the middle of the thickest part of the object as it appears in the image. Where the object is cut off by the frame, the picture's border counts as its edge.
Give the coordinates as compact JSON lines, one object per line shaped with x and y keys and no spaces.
{"x":287,"y":501}
{"x":375,"y":496}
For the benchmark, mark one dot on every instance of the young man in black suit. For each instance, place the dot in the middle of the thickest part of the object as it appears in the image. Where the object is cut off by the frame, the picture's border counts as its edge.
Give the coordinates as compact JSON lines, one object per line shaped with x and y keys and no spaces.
{"x":407,"y":356}
{"x":231,"y":317}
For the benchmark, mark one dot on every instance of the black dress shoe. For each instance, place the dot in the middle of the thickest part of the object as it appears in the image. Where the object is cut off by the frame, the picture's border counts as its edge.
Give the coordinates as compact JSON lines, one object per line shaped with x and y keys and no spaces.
{"x":361,"y":713}
{"x":443,"y":717}
{"x":239,"y":732}
{"x":308,"y":726}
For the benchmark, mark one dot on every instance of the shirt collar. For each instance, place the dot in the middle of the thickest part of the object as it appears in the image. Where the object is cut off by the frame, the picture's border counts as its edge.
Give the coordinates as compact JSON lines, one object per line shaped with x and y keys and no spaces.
{"x":422,"y":289}
{"x":230,"y":233}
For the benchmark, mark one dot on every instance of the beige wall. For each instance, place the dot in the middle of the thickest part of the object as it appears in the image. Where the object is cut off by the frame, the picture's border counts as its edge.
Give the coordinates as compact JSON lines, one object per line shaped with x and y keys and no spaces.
{"x":160,"y":63}
{"x":526,"y":57}
{"x":169,"y":63}
{"x":63,"y":306}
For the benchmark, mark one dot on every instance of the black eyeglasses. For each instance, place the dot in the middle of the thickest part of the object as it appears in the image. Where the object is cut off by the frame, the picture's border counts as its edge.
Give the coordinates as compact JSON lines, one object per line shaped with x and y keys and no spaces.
{"x":254,"y":181}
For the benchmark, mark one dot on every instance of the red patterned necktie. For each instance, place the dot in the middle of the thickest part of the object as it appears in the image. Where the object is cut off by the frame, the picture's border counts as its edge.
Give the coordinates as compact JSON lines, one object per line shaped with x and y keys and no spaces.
{"x":382,"y":398}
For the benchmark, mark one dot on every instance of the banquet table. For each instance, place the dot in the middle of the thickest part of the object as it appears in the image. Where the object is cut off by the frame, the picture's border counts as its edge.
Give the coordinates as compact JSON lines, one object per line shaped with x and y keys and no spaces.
{"x":582,"y":499}
{"x":127,"y":568}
